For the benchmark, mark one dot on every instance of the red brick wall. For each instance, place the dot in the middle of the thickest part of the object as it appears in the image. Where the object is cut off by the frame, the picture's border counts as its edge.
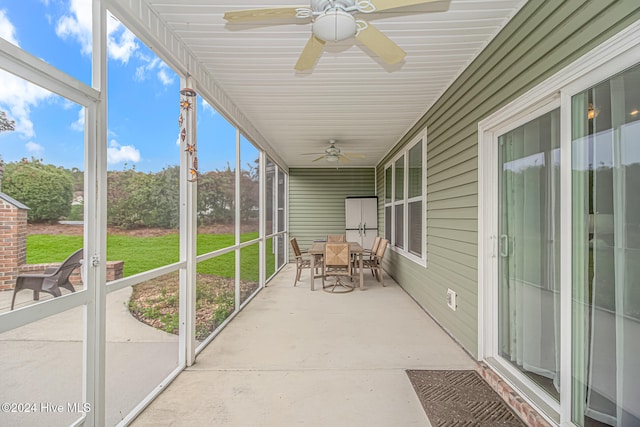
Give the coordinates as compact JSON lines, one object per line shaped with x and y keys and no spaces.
{"x":115,"y":270}
{"x":525,"y":411}
{"x":13,"y":250}
{"x":13,"y":242}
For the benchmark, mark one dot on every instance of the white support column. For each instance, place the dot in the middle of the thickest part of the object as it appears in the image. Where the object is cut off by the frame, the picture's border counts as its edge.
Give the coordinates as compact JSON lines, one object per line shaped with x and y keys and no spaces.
{"x":238,"y":221}
{"x":188,"y":225}
{"x":95,"y":240}
{"x":262,"y":191}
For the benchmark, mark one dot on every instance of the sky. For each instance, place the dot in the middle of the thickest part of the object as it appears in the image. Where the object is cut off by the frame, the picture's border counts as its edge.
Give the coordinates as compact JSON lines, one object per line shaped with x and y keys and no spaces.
{"x":143,"y":96}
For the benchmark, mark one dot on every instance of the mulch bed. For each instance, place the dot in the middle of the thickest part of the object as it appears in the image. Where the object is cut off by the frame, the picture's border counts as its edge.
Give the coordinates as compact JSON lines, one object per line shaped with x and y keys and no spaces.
{"x":461,"y":398}
{"x":156,"y":302}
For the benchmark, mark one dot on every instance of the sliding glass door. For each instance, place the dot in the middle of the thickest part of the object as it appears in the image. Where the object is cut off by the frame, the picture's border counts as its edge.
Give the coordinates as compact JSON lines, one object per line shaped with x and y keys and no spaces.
{"x":606,"y":252}
{"x":529,"y":250}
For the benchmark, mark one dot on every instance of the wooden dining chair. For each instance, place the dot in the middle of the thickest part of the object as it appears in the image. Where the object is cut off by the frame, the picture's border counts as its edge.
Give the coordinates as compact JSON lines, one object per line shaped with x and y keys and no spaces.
{"x":374,"y":247}
{"x":375,"y":262}
{"x":302,"y":261}
{"x":337,"y":264}
{"x":335,"y":238}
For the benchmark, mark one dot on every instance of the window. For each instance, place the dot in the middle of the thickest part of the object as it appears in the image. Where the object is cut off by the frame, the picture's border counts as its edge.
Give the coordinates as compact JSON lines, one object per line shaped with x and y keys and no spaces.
{"x":405,"y":190}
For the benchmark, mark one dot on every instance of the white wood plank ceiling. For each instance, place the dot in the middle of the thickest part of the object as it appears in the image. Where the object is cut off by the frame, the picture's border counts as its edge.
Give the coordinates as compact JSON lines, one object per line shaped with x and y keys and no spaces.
{"x":350,"y":95}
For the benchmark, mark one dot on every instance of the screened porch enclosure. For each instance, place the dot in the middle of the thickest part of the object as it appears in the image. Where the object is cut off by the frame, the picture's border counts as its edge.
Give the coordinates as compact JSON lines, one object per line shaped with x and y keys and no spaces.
{"x":504,"y":159}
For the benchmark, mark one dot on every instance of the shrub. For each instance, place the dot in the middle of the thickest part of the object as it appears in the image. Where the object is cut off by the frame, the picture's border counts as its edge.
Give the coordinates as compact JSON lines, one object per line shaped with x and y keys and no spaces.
{"x":45,"y":189}
{"x":137,"y":199}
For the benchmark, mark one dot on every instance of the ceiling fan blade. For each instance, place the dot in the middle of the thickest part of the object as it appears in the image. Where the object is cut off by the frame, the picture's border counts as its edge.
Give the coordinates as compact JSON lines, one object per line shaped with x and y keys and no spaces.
{"x":319,"y":158}
{"x":311,"y":154}
{"x":392,"y":4}
{"x":249,"y":15}
{"x":355,"y":155}
{"x":381,"y":45}
{"x":310,"y":54}
{"x":343,"y":158}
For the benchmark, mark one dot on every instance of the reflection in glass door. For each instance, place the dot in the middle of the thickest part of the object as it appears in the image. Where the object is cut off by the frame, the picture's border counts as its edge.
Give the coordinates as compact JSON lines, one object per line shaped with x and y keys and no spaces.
{"x":606,"y":252}
{"x":529,"y":249}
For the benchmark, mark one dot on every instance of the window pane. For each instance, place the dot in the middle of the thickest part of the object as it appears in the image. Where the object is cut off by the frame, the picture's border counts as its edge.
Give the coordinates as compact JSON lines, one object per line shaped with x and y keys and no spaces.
{"x":415,"y":171}
{"x":60,"y":34}
{"x":415,"y":228}
{"x":217,"y":175}
{"x":399,"y":218}
{"x":281,"y":199}
{"x":387,"y":185}
{"x":249,"y":271}
{"x":387,"y":223}
{"x":270,"y":195}
{"x":42,"y":368}
{"x":529,"y":273}
{"x":606,"y":251}
{"x":249,"y":190}
{"x":399,"y":184}
{"x":215,"y":293}
{"x":145,"y":351}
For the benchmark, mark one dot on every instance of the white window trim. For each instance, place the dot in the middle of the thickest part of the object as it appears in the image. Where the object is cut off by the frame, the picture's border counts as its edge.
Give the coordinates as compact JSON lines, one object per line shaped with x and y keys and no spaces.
{"x":421,"y":260}
{"x":611,"y":57}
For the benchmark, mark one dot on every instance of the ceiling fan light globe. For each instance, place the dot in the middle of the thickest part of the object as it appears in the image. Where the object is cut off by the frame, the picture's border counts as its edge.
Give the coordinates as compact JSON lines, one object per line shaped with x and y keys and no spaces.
{"x":332,"y":158}
{"x":335,"y":25}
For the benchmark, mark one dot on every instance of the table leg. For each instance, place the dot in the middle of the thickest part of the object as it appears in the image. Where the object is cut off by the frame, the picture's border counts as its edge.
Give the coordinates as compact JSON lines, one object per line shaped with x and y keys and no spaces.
{"x":361,"y":272}
{"x":312,"y":273}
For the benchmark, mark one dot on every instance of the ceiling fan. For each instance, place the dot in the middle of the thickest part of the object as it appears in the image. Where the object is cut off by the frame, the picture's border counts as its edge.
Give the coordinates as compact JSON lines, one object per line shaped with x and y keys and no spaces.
{"x":333,"y":21}
{"x":334,"y":154}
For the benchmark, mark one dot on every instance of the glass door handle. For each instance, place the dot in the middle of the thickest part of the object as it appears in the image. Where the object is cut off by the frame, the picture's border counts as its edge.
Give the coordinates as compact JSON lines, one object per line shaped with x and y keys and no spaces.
{"x":504,"y":245}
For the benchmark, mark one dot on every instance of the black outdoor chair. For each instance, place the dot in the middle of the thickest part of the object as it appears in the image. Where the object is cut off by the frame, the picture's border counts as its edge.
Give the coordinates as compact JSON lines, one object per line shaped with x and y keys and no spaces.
{"x":51,"y":280}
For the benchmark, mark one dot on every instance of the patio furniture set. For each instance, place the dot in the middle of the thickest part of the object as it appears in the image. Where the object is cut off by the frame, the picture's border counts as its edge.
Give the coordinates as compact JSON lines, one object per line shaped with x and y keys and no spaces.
{"x":335,"y":257}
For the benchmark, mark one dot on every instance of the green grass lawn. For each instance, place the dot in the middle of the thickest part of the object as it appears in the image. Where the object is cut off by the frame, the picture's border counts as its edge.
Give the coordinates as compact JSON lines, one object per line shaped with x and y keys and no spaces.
{"x":146,"y":253}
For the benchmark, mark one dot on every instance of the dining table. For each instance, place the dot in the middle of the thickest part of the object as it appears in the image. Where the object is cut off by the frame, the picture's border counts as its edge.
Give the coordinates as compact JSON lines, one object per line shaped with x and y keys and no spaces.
{"x":317,"y":248}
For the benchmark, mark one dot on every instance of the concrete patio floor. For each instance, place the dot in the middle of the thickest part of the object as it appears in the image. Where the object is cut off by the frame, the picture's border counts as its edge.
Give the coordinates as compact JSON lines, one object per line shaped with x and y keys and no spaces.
{"x":42,"y":362}
{"x":296,"y":357}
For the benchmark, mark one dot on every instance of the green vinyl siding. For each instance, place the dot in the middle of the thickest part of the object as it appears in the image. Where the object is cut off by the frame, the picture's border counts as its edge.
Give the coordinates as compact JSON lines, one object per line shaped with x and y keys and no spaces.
{"x":316,"y":200}
{"x":543,"y":38}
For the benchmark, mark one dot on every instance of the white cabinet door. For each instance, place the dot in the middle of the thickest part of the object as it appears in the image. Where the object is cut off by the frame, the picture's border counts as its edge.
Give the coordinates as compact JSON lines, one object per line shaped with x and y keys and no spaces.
{"x":369,"y":214}
{"x":353,"y":236}
{"x":353,"y":213}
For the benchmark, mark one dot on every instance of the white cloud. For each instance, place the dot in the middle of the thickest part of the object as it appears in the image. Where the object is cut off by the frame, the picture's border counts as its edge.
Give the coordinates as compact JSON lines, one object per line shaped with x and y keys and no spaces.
{"x":117,"y":153}
{"x":121,"y":43}
{"x":7,"y":30}
{"x":76,"y":25}
{"x":78,"y":125}
{"x":207,"y":107}
{"x":17,"y":97}
{"x":164,"y":76}
{"x":162,"y":70}
{"x":34,"y":148}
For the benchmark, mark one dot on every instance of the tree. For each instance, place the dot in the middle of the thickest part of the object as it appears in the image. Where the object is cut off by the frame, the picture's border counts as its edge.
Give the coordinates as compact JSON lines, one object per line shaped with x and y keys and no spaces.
{"x":6,"y":125}
{"x":45,"y":189}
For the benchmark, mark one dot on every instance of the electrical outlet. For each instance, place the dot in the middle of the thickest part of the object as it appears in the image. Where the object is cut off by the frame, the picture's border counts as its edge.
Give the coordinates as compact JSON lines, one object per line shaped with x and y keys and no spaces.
{"x":451,"y":299}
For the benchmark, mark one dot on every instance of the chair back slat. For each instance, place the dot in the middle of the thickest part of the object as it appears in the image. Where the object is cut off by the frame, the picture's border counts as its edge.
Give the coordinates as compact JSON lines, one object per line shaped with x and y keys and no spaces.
{"x":337,"y":255}
{"x":296,"y":248}
{"x":335,"y":238}
{"x":382,"y":247}
{"x":376,"y":243}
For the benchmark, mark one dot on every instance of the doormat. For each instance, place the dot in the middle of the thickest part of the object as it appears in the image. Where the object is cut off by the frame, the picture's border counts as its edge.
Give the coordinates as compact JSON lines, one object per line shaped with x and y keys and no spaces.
{"x":461,"y":398}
